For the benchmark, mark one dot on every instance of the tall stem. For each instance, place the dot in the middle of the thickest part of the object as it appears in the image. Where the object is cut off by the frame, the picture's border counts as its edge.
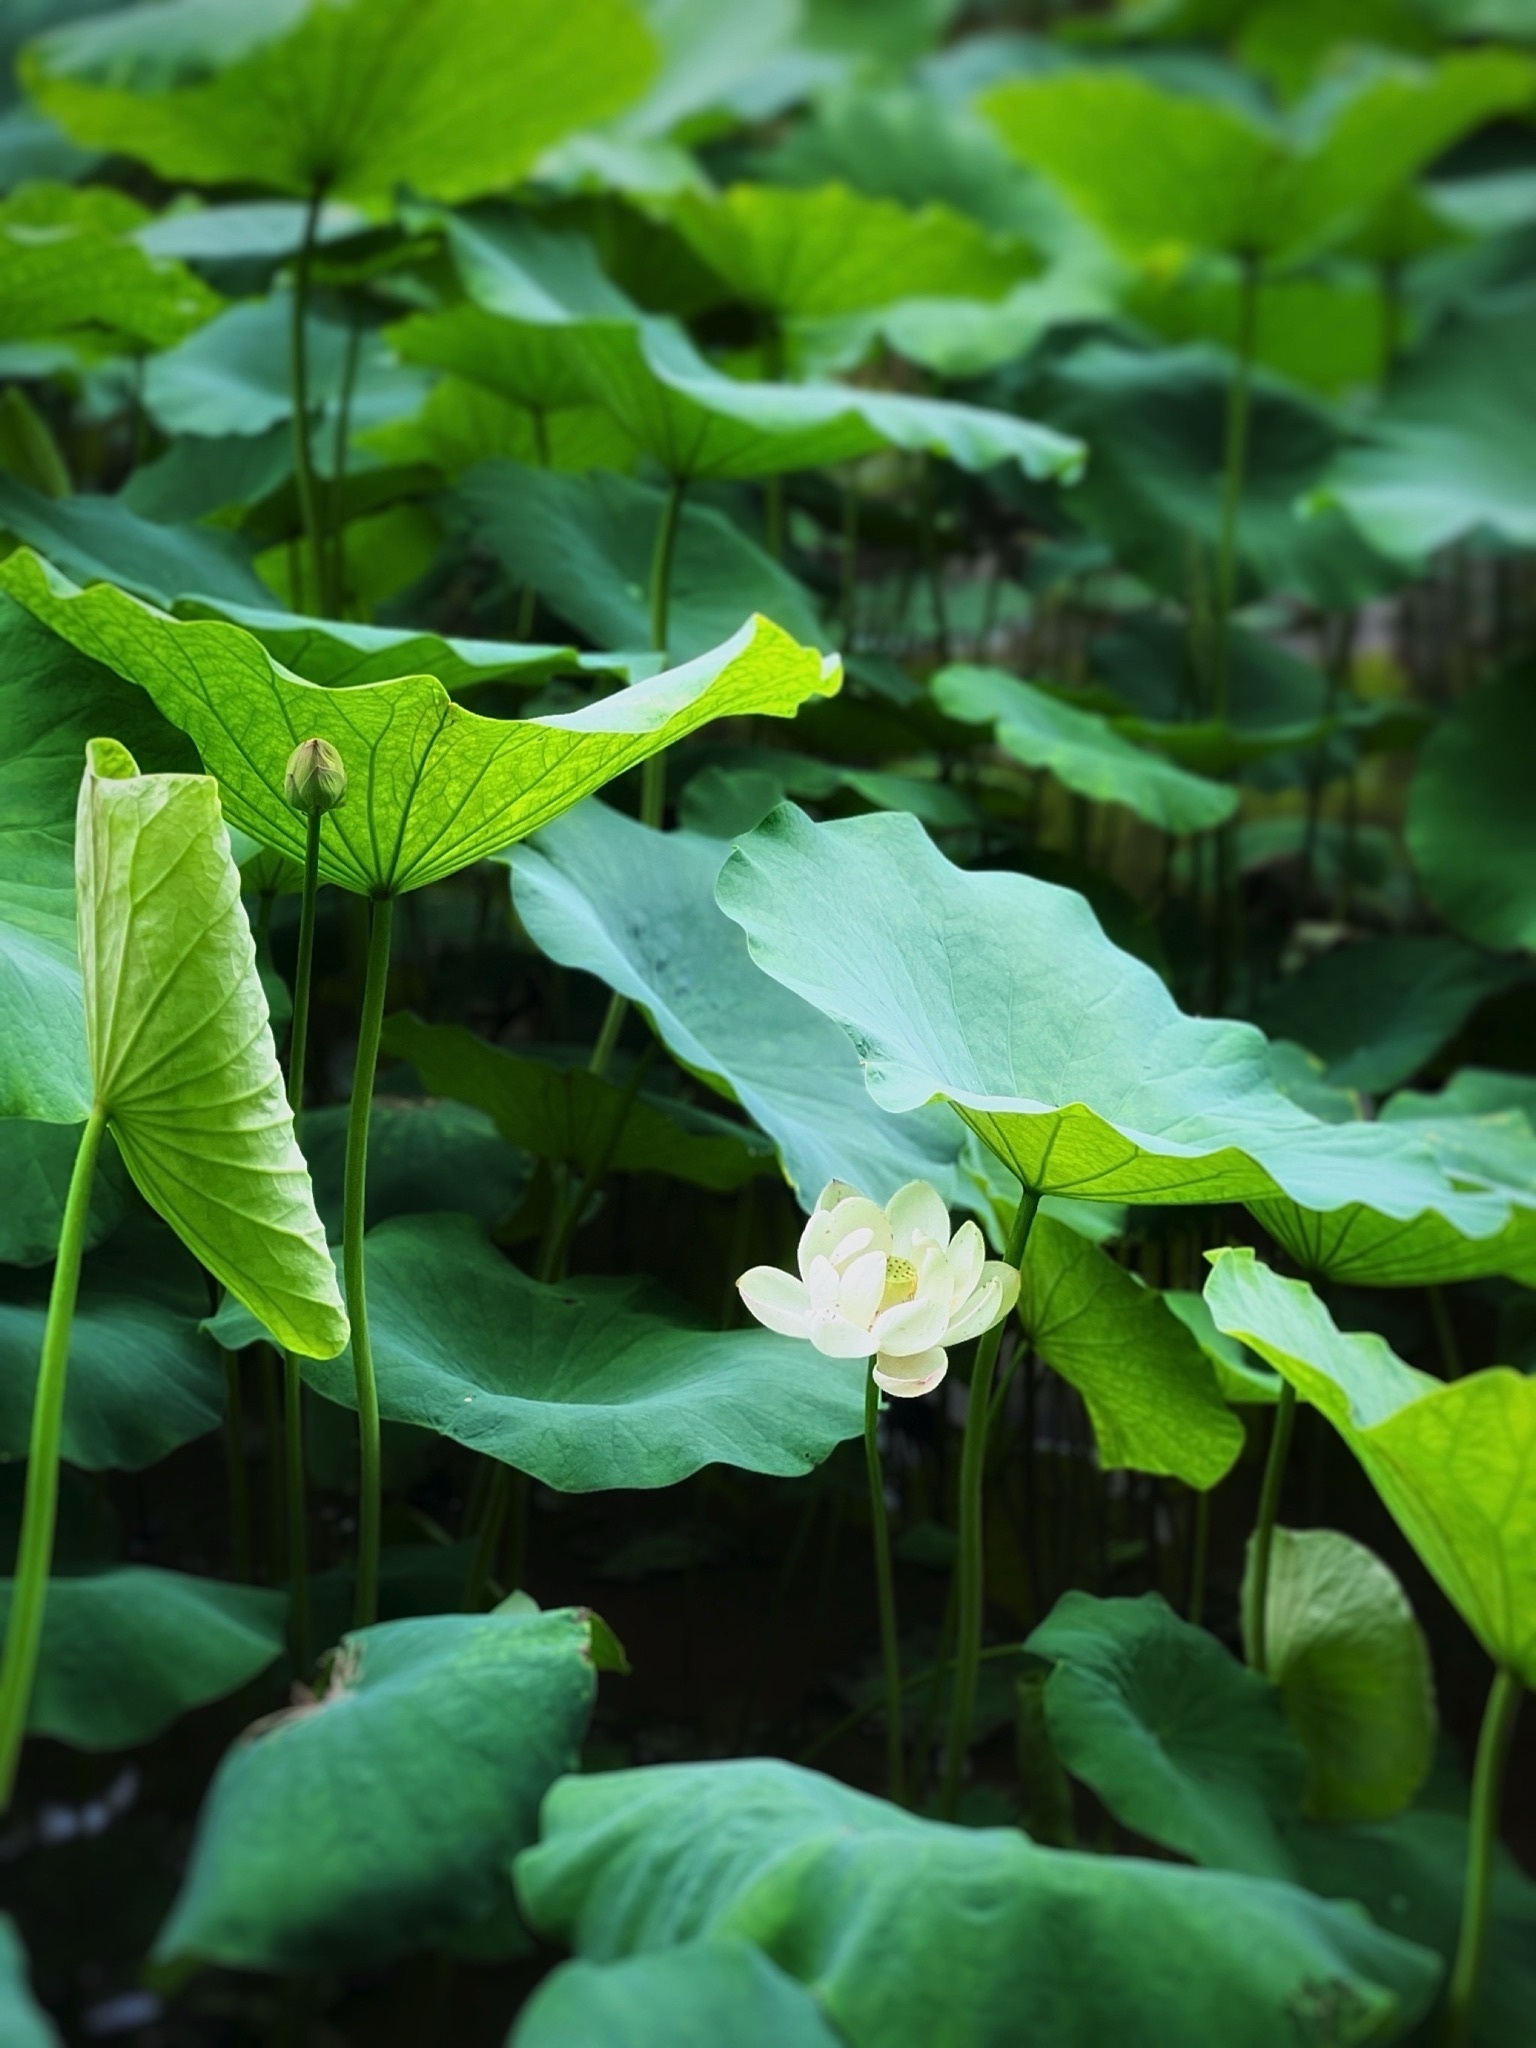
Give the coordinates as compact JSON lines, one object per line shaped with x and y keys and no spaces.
{"x":298,"y":371}
{"x":885,"y":1590}
{"x":1200,"y":1551}
{"x":970,"y":1561}
{"x":40,"y":1506}
{"x":1487,"y":1783}
{"x":333,"y":597}
{"x":235,"y":1474}
{"x":1234,"y":459}
{"x":354,"y":1207}
{"x":1256,"y":1619}
{"x":293,"y":1379}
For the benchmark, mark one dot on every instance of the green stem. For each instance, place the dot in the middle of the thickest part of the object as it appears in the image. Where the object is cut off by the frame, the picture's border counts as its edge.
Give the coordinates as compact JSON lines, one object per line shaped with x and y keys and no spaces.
{"x":303,"y":460}
{"x":1199,"y":1557}
{"x":1234,"y":458}
{"x":333,"y":597}
{"x":234,"y":1463}
{"x":970,"y":1562}
{"x":293,"y":1381}
{"x":298,"y":1041}
{"x":849,"y":570}
{"x":1487,"y":1782}
{"x":40,"y":1505}
{"x":354,"y":1203}
{"x":890,"y":1650}
{"x":1257,"y":1617}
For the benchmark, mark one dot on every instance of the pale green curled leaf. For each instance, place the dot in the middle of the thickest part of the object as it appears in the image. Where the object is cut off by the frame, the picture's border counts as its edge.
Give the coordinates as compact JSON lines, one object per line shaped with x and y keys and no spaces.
{"x":1353,"y":1670}
{"x":69,"y":265}
{"x":1243,"y":1381}
{"x":1455,"y":1464}
{"x":702,"y":1995}
{"x":1159,"y":170}
{"x":1471,"y":826}
{"x":1081,"y":749}
{"x":181,"y":1052}
{"x":599,"y":892}
{"x":588,"y":1385}
{"x":1151,"y":1393}
{"x":382,"y":1819}
{"x":833,"y":250}
{"x":696,"y":422}
{"x":899,"y":1923}
{"x":355,"y":97}
{"x":143,"y":1378}
{"x":432,"y":787}
{"x":126,"y":1652}
{"x":1069,"y":1058}
{"x":23,"y":2023}
{"x":569,"y":1115}
{"x":36,"y":1161}
{"x":1183,"y":1744}
{"x":586,"y":544}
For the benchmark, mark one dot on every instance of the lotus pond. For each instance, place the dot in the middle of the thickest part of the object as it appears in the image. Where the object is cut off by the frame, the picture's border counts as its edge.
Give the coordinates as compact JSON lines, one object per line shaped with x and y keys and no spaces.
{"x":767,"y":1023}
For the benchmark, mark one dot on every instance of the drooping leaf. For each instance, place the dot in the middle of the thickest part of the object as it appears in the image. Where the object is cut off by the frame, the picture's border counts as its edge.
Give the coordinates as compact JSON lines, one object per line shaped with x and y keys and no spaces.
{"x":181,"y":1053}
{"x":92,"y":538}
{"x":143,"y":1378}
{"x":451,"y":97}
{"x":697,"y":1996}
{"x":1353,"y":1671}
{"x":1069,"y":1058}
{"x":1150,"y":1391}
{"x":127,"y":1652}
{"x":35,"y":1164}
{"x":569,"y":1115}
{"x":1454,"y":1463}
{"x":381,"y":1819}
{"x":587,"y":1385}
{"x":69,"y":264}
{"x":23,"y":2023}
{"x":900,"y":1923}
{"x":1471,"y":830}
{"x":833,"y":250}
{"x":637,"y":909}
{"x":1081,"y":749}
{"x":1182,"y":1743}
{"x":585,"y":543}
{"x":432,"y":787}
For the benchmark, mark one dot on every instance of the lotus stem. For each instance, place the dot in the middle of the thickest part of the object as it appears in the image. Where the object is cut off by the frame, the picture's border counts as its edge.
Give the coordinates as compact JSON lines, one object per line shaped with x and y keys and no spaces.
{"x":885,"y":1591}
{"x":354,"y":1205}
{"x":1234,"y":462}
{"x":971,"y":1560}
{"x":303,"y":460}
{"x":40,"y":1505}
{"x":1498,"y":1727}
{"x":1200,"y":1551}
{"x":235,"y":1474}
{"x":1256,"y":1619}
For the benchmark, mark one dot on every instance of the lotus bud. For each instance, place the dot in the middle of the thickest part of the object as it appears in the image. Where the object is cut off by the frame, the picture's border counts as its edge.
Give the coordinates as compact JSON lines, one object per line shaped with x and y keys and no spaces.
{"x":316,"y":779}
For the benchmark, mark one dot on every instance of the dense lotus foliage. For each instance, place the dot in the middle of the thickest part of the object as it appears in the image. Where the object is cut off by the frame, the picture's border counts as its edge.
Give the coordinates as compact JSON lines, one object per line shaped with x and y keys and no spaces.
{"x":767,"y":1023}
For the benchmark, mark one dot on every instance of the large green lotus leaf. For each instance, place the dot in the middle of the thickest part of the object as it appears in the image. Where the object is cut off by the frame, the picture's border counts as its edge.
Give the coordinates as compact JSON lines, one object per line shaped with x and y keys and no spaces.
{"x":509,"y":262}
{"x":1447,"y":454}
{"x":1455,"y":1464}
{"x":1066,"y":1056}
{"x":599,"y":892}
{"x":1326,"y":332}
{"x":1158,"y":169}
{"x":526,"y":361}
{"x":355,"y":97}
{"x":1471,"y":830}
{"x":698,"y":1996}
{"x":1155,"y":420}
{"x":422,"y":1155}
{"x":69,"y":264}
{"x":382,"y":1819}
{"x":696,"y":422}
{"x":1183,"y":1744}
{"x":833,"y":250}
{"x":23,"y":2023}
{"x":585,"y":543}
{"x":1353,"y":1670}
{"x":36,"y":1161}
{"x":432,"y":787}
{"x":52,"y":700}
{"x":899,"y":1924}
{"x":462,"y":424}
{"x":1081,"y":749}
{"x":1376,"y":1012}
{"x":181,"y":1052}
{"x":143,"y":1379}
{"x":127,"y":1652}
{"x":575,"y":1117}
{"x":588,"y":1385}
{"x":91,"y":538}
{"x":1151,"y":1393}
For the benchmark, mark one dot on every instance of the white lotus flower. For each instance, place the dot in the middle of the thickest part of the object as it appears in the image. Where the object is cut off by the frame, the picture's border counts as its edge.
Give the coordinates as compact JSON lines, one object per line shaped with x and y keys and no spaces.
{"x":891,"y":1284}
